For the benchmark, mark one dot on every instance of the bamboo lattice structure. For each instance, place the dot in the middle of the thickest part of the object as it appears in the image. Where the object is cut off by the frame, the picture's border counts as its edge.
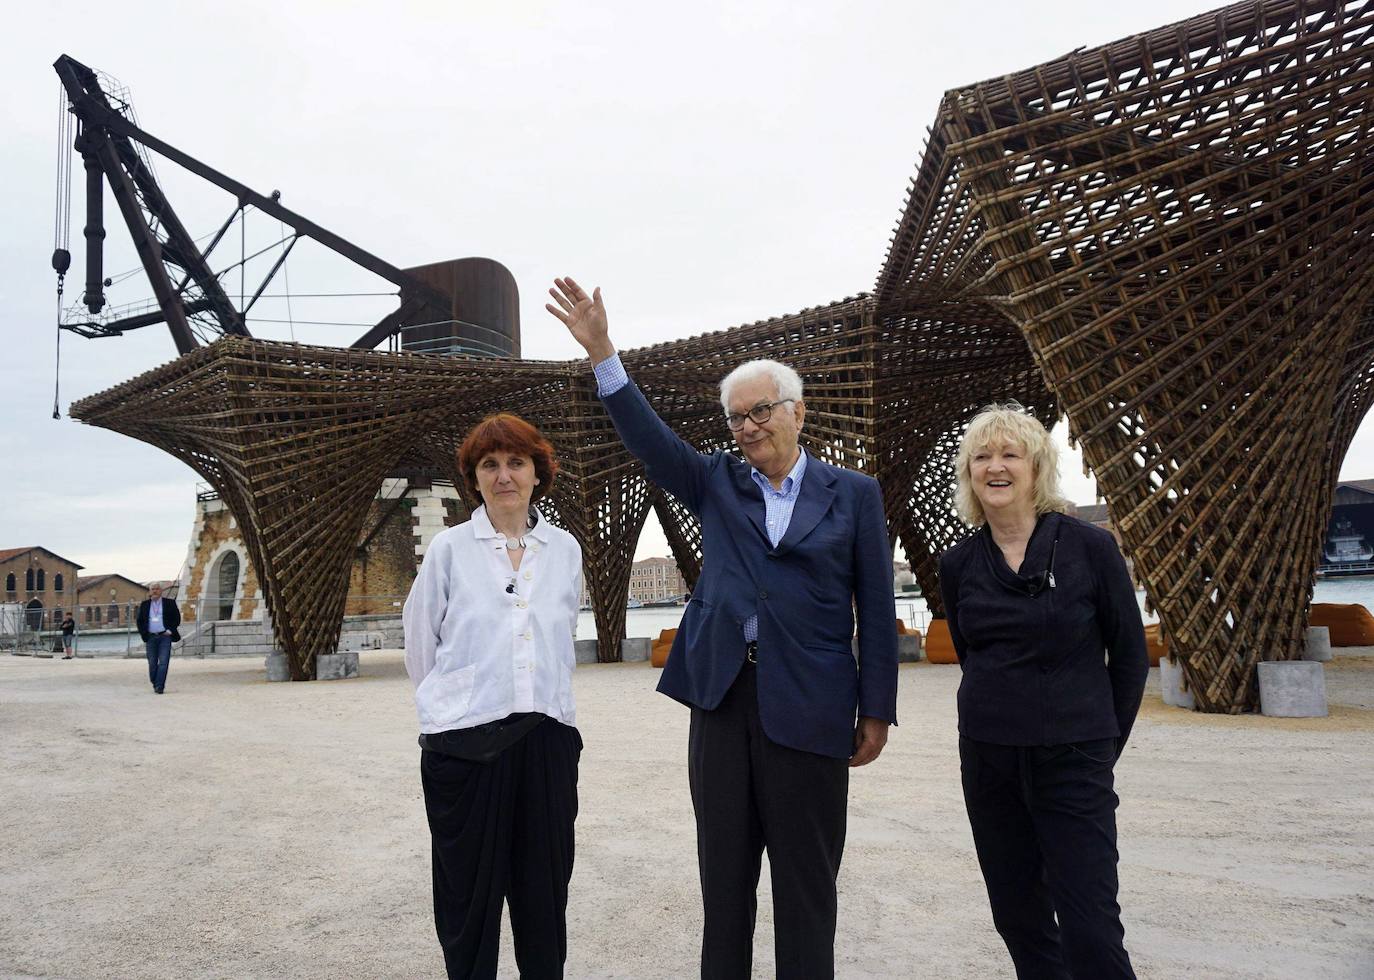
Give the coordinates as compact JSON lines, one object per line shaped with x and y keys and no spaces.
{"x":296,"y":439}
{"x":1167,"y":238}
{"x":1180,"y":224}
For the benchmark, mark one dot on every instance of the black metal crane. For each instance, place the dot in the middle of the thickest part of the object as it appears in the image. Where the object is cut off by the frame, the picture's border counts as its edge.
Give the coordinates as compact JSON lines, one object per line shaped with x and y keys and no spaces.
{"x":112,"y":145}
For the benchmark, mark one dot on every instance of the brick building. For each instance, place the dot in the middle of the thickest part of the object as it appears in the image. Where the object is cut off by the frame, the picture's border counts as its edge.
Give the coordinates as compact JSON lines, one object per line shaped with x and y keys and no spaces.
{"x":43,"y":582}
{"x":219,"y":582}
{"x":108,"y":600}
{"x":652,"y":579}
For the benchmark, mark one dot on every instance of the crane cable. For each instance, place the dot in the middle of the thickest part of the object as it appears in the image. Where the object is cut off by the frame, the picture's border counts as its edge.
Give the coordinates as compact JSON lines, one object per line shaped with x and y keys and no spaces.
{"x":286,"y":282}
{"x":62,"y":223}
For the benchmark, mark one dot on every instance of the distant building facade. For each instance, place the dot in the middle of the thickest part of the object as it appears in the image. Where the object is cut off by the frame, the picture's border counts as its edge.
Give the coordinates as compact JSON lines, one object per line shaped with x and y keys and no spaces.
{"x":656,"y":579}
{"x":218,"y":580}
{"x":107,"y":600}
{"x":41,"y":581}
{"x":1348,"y":548}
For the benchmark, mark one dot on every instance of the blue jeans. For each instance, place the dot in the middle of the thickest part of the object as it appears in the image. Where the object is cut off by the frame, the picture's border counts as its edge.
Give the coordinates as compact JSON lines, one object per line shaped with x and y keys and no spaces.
{"x":159,"y":656}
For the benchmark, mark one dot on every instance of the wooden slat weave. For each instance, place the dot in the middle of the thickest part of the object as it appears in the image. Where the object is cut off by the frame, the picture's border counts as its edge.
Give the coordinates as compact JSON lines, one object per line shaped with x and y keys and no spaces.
{"x":1180,"y":224}
{"x":1168,"y":238}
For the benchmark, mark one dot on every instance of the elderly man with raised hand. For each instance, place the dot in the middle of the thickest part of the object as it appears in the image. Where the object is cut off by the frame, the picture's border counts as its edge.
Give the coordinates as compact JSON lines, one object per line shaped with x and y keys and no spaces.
{"x":793,"y":548}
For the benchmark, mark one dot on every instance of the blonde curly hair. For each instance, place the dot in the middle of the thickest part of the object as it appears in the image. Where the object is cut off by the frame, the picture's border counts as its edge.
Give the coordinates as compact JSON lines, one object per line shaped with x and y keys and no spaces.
{"x":1002,"y":425}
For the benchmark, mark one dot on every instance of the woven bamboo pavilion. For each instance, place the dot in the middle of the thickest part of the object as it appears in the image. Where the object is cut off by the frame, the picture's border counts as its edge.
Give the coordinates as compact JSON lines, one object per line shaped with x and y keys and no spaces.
{"x":1169,"y":239}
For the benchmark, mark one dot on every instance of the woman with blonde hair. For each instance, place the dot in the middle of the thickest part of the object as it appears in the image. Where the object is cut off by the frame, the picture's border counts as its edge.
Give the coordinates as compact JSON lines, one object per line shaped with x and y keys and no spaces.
{"x":489,"y":628}
{"x":1043,"y":616}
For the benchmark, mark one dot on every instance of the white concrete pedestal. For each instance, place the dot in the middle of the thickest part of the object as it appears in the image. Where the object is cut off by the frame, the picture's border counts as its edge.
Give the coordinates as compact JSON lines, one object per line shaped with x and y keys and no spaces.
{"x":1292,"y":689}
{"x":1171,"y":685}
{"x":277,"y":667}
{"x":1318,"y":647}
{"x":336,"y":666}
{"x":635,"y":648}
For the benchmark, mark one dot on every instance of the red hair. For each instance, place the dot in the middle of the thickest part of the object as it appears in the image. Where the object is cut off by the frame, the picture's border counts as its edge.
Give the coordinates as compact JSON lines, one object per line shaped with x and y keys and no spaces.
{"x":504,"y":432}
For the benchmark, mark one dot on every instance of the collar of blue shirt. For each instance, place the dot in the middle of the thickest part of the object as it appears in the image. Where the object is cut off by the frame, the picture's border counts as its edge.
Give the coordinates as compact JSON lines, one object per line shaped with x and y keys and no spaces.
{"x":790,"y":483}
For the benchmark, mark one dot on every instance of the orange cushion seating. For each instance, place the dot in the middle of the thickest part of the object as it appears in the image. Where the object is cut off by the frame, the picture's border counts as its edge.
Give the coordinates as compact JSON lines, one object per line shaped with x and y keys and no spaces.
{"x":939,"y":647}
{"x":658,"y":653}
{"x":901,"y":628}
{"x":1155,"y":645}
{"x":1350,"y":623}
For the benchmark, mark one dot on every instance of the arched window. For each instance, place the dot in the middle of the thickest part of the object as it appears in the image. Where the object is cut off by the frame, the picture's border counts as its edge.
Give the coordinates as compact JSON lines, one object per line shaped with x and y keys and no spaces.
{"x":34,"y":615}
{"x":11,"y":583}
{"x":42,"y":581}
{"x":112,"y":616}
{"x":222,"y":587}
{"x":28,"y":580}
{"x":57,"y":582}
{"x":97,"y":614}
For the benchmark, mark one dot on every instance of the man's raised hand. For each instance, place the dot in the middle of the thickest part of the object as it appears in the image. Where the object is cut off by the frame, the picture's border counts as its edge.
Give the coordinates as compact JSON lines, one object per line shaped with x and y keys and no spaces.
{"x":584,"y":316}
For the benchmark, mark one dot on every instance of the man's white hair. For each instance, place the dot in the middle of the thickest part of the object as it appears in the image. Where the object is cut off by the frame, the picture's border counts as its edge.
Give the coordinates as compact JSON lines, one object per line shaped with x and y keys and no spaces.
{"x":787,"y":381}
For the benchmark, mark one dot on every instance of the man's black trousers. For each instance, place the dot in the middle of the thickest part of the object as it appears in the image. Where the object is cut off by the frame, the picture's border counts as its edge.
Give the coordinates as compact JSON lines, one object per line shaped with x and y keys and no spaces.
{"x":1044,"y":825}
{"x":503,"y":830}
{"x":750,"y":793}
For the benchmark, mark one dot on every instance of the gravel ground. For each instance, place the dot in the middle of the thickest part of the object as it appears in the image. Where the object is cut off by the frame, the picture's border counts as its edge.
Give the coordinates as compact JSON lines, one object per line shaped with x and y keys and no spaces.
{"x":233,"y":828}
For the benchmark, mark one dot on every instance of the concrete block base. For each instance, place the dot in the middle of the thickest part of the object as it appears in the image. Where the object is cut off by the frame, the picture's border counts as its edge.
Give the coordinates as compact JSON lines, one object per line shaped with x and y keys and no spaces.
{"x":908,"y":648}
{"x":336,"y":666}
{"x":586,"y":651}
{"x":1318,"y":644}
{"x":1292,"y":689}
{"x":635,"y":648}
{"x":1171,"y":685}
{"x":277,"y":667}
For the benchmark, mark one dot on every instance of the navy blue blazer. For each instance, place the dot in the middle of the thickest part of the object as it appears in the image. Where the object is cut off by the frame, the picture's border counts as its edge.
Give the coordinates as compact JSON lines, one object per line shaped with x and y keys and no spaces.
{"x":834,"y":560}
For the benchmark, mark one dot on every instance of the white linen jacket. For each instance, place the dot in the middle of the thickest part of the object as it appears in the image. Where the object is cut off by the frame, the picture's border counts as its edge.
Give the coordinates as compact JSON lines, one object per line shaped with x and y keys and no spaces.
{"x":483,"y":640}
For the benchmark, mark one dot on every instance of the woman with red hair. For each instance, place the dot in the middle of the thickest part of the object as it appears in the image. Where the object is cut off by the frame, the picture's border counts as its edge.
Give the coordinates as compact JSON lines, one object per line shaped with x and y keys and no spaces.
{"x":489,"y":628}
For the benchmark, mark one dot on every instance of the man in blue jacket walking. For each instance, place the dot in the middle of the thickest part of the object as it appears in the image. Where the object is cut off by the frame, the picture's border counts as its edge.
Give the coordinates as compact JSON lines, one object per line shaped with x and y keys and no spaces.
{"x":793,"y":549}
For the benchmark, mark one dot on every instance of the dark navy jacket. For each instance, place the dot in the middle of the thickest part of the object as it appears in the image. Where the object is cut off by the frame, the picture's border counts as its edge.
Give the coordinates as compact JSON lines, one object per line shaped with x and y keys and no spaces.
{"x":833,"y":560}
{"x":171,"y":619}
{"x":1045,"y":666}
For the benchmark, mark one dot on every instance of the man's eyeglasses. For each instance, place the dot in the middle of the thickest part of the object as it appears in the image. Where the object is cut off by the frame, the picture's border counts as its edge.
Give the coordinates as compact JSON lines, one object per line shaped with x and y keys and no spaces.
{"x":759,"y":413}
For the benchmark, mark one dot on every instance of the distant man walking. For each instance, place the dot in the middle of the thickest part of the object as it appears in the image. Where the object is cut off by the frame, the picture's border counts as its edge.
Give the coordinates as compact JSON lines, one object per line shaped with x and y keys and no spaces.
{"x":158,"y":620}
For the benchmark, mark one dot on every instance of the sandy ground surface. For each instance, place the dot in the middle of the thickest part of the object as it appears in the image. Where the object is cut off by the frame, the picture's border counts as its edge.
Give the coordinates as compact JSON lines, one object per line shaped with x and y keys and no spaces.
{"x":233,"y":828}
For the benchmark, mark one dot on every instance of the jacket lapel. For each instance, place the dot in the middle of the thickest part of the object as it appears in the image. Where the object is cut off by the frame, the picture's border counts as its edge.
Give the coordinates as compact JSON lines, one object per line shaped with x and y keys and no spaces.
{"x":752,"y":503}
{"x":817,"y":491}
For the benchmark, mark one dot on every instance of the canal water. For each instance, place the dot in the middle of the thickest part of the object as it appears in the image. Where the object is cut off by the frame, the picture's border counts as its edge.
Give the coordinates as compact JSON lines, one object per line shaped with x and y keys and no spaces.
{"x":914,"y":611}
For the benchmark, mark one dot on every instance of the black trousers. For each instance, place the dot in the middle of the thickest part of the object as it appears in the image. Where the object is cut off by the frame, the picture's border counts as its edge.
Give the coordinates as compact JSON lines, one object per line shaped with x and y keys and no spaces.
{"x":1044,"y":825}
{"x":503,"y":830}
{"x":750,"y":793}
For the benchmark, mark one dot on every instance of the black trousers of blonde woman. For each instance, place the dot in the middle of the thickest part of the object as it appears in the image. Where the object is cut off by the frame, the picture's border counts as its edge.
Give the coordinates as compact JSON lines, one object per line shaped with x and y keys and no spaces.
{"x":1044,"y":826}
{"x":502,"y":830}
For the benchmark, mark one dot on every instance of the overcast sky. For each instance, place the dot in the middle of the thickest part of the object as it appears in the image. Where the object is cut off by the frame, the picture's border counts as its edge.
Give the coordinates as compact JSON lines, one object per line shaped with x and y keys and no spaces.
{"x":706,"y":164}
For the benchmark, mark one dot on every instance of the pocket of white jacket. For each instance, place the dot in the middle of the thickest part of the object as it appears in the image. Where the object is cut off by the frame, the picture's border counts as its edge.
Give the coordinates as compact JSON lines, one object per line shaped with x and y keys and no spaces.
{"x":449,"y":692}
